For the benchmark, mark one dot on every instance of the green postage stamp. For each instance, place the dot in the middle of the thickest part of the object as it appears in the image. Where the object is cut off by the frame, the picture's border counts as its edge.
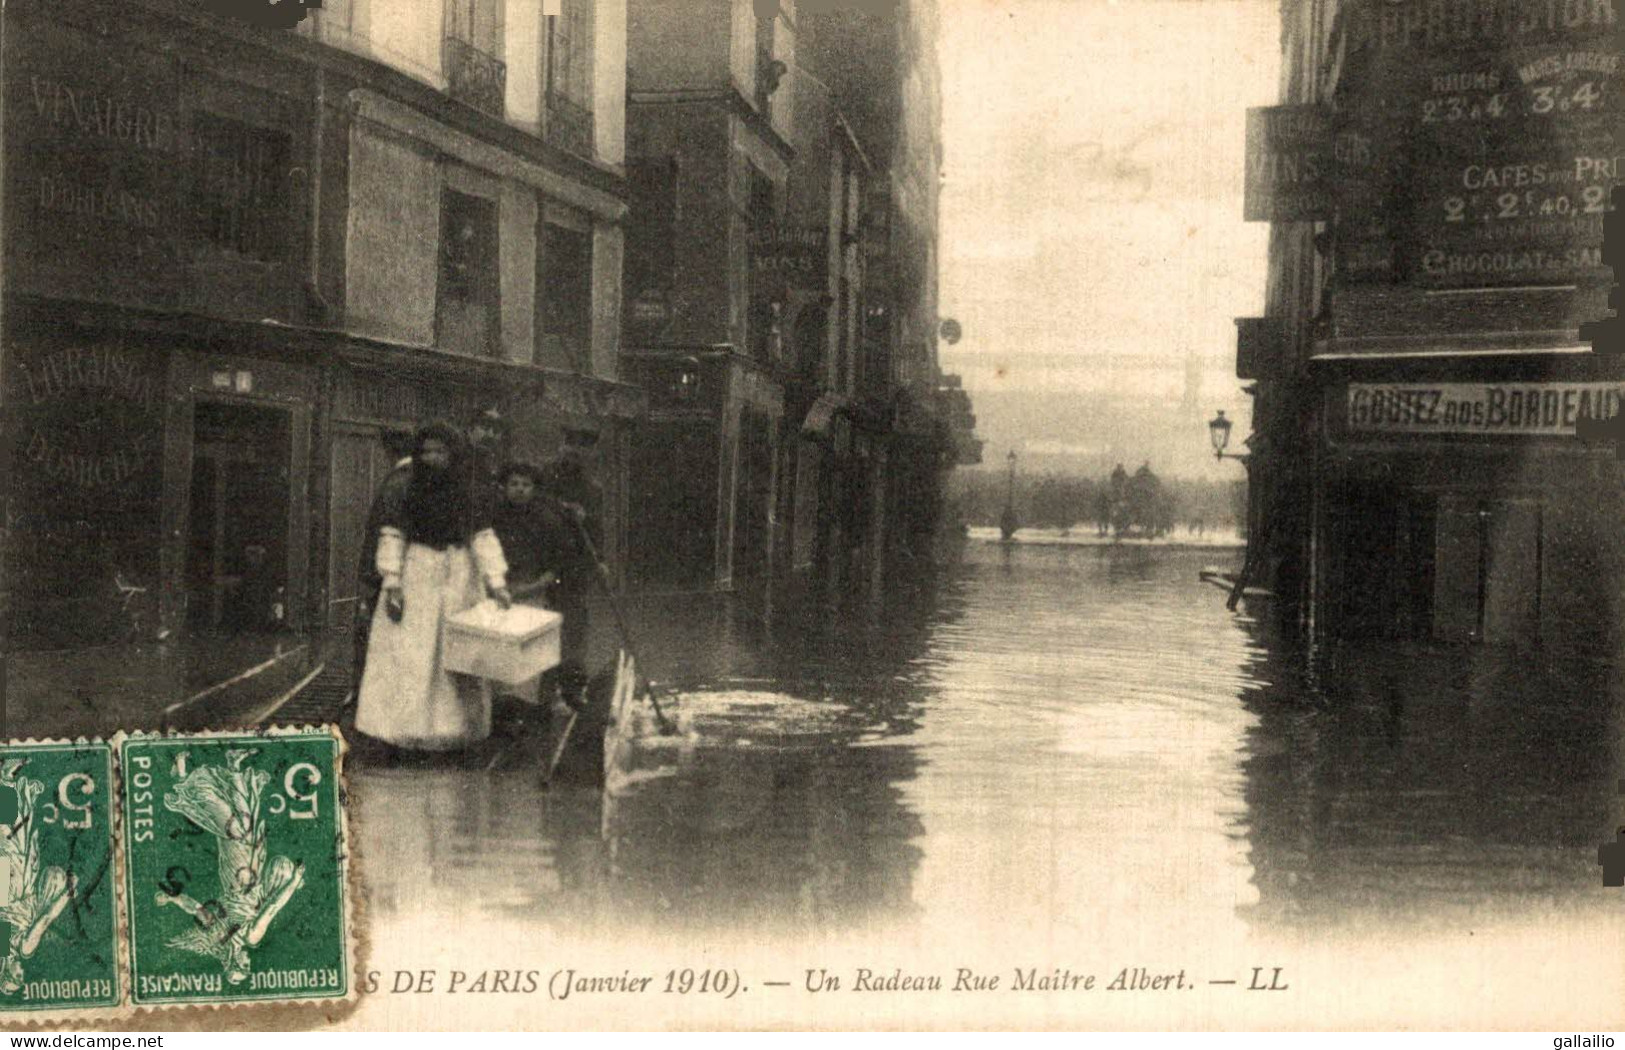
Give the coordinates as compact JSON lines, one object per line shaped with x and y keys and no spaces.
{"x":58,"y":882}
{"x":235,"y":861}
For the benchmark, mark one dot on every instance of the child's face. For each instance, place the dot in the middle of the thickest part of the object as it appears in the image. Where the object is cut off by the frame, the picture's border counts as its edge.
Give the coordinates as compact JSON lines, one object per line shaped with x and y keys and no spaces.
{"x":519,"y":489}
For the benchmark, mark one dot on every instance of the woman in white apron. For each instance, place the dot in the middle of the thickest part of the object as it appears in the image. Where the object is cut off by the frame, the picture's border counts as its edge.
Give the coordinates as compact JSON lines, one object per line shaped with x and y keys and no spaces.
{"x":437,"y":556}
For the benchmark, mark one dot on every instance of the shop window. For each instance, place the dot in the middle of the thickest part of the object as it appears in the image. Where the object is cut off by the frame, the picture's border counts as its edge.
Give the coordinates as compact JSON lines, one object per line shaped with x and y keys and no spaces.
{"x":243,"y":193}
{"x":811,"y":341}
{"x":1388,"y":549}
{"x":564,"y":297}
{"x":469,"y":296}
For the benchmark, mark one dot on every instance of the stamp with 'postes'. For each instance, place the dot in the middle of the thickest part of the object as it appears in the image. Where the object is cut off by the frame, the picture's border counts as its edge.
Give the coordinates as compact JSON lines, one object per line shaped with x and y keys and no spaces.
{"x":235,"y":868}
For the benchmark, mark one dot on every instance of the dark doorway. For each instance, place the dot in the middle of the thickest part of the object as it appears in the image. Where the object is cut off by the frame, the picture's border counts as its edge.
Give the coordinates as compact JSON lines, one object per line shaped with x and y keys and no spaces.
{"x":237,"y":549}
{"x":753,"y":499}
{"x":1387,"y":578}
{"x":672,"y":536}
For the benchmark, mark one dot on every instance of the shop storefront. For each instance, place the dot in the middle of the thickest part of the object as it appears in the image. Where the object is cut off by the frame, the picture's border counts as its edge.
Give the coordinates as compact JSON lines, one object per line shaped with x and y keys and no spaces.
{"x":1425,"y":376}
{"x":1468,"y":511}
{"x":158,"y":214}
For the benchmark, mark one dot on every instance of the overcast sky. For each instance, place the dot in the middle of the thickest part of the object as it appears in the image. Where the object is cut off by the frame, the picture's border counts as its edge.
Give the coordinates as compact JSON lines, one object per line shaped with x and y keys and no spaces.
{"x":1092,"y":241}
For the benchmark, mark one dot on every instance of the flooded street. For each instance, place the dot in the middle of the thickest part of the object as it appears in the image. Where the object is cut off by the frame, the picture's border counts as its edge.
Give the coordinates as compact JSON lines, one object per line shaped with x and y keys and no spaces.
{"x":1062,"y":749}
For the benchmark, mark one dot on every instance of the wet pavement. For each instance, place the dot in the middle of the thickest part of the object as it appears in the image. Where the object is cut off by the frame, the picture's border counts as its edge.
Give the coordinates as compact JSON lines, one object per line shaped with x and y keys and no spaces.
{"x":193,"y":680}
{"x":1052,"y":746}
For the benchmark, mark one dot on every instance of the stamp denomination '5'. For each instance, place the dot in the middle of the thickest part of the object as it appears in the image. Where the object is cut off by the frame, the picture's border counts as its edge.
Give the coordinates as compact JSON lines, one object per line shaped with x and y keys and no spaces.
{"x":235,"y":863}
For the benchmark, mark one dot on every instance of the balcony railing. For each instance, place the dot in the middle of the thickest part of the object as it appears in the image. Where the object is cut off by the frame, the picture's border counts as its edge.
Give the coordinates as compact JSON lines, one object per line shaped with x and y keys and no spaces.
{"x":569,"y":126}
{"x":475,"y":78}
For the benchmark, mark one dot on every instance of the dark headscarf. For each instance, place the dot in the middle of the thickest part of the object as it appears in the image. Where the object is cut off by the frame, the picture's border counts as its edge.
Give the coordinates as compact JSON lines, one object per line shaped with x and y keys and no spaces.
{"x":438,"y":509}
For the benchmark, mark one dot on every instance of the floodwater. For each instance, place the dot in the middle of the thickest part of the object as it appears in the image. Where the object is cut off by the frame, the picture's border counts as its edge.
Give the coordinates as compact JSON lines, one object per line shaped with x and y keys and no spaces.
{"x":1054,"y":749}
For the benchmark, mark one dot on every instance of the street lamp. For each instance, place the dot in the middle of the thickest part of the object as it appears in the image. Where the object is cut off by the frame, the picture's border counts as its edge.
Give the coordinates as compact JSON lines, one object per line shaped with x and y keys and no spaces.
{"x":685,"y":385}
{"x":1218,"y":431}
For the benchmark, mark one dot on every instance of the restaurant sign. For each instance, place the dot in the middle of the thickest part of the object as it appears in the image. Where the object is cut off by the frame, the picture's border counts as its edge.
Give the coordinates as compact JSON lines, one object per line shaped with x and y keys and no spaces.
{"x":797,"y":256}
{"x":1518,"y":409}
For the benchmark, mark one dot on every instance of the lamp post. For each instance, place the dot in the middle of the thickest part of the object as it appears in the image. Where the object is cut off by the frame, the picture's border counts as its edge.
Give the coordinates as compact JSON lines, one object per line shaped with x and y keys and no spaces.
{"x":1007,"y":521}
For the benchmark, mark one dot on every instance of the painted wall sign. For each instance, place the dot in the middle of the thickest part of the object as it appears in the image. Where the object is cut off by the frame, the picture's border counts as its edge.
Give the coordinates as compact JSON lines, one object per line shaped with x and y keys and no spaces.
{"x":1289,"y":164}
{"x":1495,"y":128}
{"x":85,"y":465}
{"x":1520,"y":409}
{"x":1519,"y":152}
{"x":94,"y":154}
{"x":1417,"y":28}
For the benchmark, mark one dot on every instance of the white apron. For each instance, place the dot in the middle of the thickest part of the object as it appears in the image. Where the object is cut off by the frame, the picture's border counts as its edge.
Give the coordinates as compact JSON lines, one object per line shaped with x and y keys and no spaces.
{"x":407,"y":698}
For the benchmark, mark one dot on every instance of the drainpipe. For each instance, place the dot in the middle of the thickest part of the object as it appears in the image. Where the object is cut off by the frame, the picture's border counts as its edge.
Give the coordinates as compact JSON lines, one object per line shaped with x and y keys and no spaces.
{"x":318,"y":145}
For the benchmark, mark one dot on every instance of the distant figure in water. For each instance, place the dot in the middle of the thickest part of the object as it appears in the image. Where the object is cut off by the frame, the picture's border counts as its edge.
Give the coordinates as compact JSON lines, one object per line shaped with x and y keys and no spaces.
{"x":1198,"y":527}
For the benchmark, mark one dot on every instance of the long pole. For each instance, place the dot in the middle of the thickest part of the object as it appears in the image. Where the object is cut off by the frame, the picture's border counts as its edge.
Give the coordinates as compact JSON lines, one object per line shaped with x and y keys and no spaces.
{"x":558,"y":749}
{"x":666,"y":726}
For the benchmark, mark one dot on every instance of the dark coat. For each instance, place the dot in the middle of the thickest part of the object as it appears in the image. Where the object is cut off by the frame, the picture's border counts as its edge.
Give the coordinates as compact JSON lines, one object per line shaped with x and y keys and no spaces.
{"x":537,"y":538}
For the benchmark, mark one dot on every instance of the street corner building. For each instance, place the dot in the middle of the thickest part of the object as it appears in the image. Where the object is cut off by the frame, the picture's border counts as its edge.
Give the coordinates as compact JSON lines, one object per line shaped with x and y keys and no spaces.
{"x":1437,"y":177}
{"x":236,"y":257}
{"x":781,"y":300}
{"x":239,"y":256}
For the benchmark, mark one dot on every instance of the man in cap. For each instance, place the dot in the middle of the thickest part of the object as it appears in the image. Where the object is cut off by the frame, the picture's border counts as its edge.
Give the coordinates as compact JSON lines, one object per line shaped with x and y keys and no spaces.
{"x":568,"y":480}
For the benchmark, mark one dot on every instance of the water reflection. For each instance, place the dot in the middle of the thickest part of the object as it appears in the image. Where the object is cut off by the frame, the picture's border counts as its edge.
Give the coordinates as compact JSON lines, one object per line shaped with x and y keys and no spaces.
{"x":1073,"y":745}
{"x":1426,"y":789}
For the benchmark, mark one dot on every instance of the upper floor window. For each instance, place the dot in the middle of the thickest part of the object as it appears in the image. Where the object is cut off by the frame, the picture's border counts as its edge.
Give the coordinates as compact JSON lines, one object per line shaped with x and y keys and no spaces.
{"x":564,"y":290}
{"x":477,"y":23}
{"x":243,"y":197}
{"x":474,"y":72}
{"x":468,"y":298}
{"x":568,"y":84}
{"x":651,"y":228}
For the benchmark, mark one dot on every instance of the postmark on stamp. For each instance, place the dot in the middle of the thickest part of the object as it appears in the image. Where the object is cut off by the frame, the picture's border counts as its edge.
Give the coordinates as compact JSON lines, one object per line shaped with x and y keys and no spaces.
{"x":236,"y":865}
{"x":58,"y":882}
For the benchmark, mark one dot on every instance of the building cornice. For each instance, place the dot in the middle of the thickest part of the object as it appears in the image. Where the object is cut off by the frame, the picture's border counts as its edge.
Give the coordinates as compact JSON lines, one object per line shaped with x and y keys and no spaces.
{"x":381,"y":79}
{"x":728,"y":98}
{"x":385,"y":112}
